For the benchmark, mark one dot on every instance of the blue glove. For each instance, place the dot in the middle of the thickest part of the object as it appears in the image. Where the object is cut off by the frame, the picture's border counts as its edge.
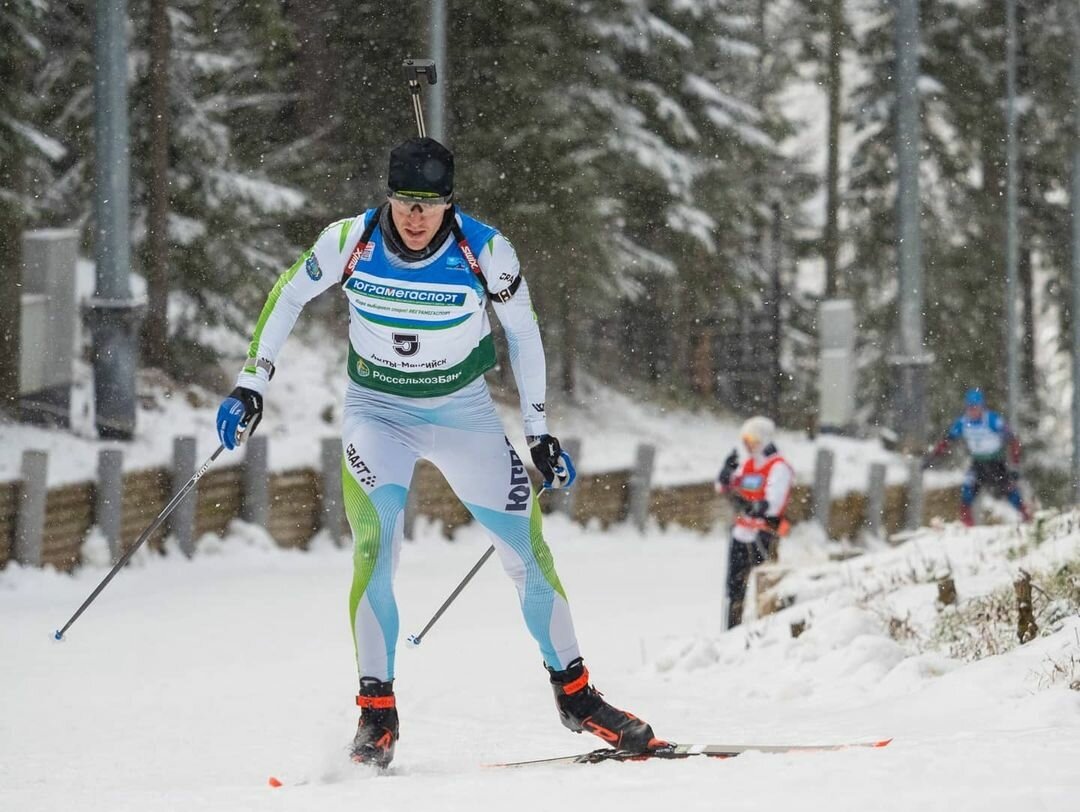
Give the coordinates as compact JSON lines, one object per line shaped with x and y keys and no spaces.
{"x":554,"y":464}
{"x":238,"y":414}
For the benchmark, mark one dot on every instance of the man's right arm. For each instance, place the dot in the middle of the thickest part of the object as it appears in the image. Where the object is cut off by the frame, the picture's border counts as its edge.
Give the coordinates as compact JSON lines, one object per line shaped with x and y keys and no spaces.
{"x":316,"y":271}
{"x":723,"y":479}
{"x":955,"y":432}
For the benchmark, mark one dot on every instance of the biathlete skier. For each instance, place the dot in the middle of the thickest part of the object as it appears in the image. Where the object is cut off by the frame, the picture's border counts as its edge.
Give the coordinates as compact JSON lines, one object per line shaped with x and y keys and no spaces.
{"x":417,"y":274}
{"x":995,"y":456}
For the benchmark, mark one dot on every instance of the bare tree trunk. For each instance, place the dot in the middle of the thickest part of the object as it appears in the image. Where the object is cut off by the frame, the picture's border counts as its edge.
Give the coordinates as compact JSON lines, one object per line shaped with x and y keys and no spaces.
{"x":1027,"y":345}
{"x":1028,"y":371}
{"x":703,"y":371}
{"x":569,"y":340}
{"x":316,"y":45}
{"x":10,"y":303}
{"x":155,"y":332}
{"x":12,"y":74}
{"x":830,"y":247}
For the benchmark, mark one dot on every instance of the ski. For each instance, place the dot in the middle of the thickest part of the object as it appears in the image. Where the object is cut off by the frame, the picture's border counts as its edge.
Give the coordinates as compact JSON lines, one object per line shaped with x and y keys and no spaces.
{"x":680,"y":751}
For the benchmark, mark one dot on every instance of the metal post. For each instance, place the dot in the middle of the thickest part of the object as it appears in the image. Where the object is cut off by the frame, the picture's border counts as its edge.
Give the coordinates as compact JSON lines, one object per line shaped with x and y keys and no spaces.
{"x":182,"y":520}
{"x":109,"y":497}
{"x":331,"y":513}
{"x":875,"y":501}
{"x":831,"y":238}
{"x":1074,"y":203}
{"x":256,"y":507}
{"x":438,"y":54}
{"x":822,"y":495}
{"x":30,"y":519}
{"x":1012,"y":349}
{"x":913,"y":513}
{"x":640,"y":485}
{"x":775,"y":313}
{"x":911,"y":362}
{"x":112,"y":313}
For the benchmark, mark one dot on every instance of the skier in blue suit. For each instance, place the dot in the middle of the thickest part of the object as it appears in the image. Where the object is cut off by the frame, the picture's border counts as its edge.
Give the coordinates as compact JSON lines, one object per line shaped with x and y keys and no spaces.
{"x":995,"y":455}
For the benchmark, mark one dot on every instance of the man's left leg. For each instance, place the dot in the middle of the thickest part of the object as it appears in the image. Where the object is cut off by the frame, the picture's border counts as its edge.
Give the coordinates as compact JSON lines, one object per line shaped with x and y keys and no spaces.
{"x":739,"y":564}
{"x":968,"y":491}
{"x":1009,"y":486}
{"x":489,"y":477}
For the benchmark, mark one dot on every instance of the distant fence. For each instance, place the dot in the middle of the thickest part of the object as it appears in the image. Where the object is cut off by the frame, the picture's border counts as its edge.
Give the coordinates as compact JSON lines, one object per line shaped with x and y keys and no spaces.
{"x":41,"y":526}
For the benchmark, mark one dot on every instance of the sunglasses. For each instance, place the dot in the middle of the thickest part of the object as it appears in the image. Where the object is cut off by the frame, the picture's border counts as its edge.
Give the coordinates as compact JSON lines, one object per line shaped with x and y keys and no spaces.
{"x":424,"y":200}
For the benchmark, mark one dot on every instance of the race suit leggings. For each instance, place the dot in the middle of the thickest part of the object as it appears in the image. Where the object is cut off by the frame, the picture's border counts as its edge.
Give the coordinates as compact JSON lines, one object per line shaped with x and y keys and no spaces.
{"x":994,"y":473}
{"x":382,"y":438}
{"x":742,"y":557}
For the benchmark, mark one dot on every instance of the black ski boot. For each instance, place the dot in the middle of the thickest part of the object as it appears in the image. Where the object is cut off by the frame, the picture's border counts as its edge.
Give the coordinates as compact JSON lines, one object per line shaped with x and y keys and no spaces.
{"x":378,"y":729}
{"x":581,"y":707}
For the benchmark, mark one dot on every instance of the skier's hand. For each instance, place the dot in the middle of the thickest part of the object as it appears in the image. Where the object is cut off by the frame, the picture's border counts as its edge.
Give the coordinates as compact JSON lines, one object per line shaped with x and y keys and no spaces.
{"x":740,"y":502}
{"x":238,"y":415}
{"x":730,"y":465}
{"x":757,"y":509}
{"x":554,"y":464}
{"x":1014,"y":475}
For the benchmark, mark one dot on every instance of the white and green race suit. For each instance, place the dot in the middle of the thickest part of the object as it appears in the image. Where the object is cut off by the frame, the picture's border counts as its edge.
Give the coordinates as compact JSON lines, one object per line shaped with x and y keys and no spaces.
{"x":419,"y":343}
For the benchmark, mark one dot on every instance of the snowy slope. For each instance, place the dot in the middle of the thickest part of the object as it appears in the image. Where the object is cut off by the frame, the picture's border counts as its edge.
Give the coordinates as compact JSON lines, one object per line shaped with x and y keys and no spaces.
{"x":189,"y":683}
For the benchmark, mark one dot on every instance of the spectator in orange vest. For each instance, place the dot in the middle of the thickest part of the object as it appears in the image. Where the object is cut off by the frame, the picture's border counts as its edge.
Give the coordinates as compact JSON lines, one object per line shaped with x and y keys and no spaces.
{"x":760,"y":488}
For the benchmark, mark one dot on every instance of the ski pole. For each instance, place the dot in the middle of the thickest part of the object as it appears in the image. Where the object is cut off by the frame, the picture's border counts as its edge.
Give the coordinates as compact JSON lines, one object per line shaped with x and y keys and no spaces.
{"x":154,"y":525}
{"x":415,"y":639}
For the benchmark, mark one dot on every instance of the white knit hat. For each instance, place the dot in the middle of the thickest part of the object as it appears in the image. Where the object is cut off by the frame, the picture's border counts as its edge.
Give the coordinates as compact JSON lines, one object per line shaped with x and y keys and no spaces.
{"x":758,"y":429}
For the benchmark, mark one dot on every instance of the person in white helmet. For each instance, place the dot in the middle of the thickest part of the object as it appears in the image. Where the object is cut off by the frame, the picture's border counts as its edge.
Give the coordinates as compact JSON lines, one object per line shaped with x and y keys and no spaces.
{"x":760,"y":488}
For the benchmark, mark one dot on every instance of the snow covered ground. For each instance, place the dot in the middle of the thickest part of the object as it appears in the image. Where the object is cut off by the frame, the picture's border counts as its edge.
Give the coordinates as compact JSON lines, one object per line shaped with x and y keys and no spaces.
{"x":189,"y":683}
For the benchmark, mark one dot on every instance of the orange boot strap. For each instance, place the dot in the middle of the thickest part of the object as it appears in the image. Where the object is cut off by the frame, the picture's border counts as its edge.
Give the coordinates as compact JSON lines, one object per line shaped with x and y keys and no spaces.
{"x":378,"y":702}
{"x":576,"y":685}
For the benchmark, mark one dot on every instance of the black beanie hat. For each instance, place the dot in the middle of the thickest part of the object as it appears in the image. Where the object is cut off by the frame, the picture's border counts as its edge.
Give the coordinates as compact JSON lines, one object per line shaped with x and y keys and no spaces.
{"x":422,"y":166}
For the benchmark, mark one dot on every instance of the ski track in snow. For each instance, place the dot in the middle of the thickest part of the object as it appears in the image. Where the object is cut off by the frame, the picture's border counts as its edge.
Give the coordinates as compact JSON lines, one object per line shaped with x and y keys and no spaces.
{"x":187,"y":684}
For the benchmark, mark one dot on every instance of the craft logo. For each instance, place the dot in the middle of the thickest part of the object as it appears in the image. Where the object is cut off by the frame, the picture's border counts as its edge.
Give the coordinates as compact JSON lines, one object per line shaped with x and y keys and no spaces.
{"x":359,"y":467}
